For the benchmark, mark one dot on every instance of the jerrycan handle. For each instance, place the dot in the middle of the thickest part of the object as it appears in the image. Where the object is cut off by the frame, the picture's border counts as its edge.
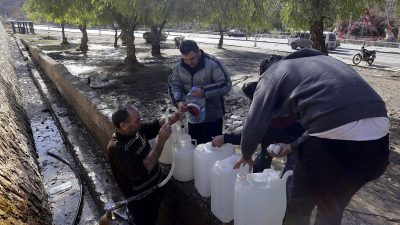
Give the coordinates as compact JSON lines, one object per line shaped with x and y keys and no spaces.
{"x":195,"y":142}
{"x":286,"y":175}
{"x":166,"y":113}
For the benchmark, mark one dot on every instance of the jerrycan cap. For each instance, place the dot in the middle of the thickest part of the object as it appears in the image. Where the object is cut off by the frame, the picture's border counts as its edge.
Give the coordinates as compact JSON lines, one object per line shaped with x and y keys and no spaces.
{"x":193,"y":109}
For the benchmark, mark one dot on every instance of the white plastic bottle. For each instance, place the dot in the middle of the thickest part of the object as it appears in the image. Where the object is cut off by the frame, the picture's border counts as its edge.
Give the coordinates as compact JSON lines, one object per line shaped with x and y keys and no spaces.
{"x":260,"y":198}
{"x":205,"y":156}
{"x":223,"y":178}
{"x":196,"y":107}
{"x":184,"y":154}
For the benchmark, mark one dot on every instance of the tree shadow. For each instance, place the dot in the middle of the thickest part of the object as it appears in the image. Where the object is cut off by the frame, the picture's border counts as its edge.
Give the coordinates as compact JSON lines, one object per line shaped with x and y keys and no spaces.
{"x":242,"y":62}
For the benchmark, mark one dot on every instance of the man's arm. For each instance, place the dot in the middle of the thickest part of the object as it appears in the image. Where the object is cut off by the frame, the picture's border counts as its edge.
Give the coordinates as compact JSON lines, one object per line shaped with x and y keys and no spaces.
{"x":259,"y":115}
{"x":222,"y":81}
{"x":150,"y":130}
{"x":175,"y":88}
{"x":232,"y":138}
{"x":152,"y":158}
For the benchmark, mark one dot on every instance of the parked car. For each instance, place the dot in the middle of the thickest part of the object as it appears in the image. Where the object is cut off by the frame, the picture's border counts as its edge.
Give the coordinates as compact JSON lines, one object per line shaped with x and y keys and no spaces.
{"x":299,"y":40}
{"x":330,"y":40}
{"x":148,"y":36}
{"x":236,"y":33}
{"x":302,"y":40}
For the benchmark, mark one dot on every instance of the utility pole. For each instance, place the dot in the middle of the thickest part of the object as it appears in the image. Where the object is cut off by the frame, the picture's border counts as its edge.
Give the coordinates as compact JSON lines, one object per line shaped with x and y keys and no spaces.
{"x":255,"y":39}
{"x":5,"y":13}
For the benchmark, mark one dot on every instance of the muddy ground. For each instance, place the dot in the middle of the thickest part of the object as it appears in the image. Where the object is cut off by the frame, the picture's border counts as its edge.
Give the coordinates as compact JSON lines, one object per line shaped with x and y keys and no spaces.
{"x":146,"y":88}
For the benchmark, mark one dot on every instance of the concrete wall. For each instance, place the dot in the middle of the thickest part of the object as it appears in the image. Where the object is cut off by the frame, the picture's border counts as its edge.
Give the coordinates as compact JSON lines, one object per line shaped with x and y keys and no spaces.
{"x":85,"y":102}
{"x":22,"y":196}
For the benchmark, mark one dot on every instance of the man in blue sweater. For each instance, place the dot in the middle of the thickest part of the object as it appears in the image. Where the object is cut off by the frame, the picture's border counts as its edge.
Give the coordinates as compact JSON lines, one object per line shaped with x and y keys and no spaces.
{"x":346,"y":143}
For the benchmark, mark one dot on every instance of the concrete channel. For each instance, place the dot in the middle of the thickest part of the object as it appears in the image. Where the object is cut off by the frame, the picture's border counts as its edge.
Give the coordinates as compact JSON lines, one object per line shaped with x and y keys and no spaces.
{"x":70,"y":202}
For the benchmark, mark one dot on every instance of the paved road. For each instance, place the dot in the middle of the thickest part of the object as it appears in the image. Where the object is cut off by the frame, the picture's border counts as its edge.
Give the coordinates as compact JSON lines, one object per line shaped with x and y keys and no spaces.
{"x":387,"y":58}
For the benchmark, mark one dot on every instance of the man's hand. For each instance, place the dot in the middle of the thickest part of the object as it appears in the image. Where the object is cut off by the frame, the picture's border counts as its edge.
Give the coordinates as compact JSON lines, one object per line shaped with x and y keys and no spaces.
{"x":164,"y":133}
{"x":198,"y":92}
{"x":182,"y":106}
{"x":218,"y":141}
{"x":175,"y":117}
{"x":284,"y":150}
{"x":243,"y":162}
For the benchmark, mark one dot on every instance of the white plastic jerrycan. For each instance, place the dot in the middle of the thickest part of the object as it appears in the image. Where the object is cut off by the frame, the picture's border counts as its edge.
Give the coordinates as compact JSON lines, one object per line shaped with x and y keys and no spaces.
{"x":166,"y":155}
{"x":223,"y":178}
{"x":260,"y":198}
{"x":205,"y":156}
{"x":184,"y":157}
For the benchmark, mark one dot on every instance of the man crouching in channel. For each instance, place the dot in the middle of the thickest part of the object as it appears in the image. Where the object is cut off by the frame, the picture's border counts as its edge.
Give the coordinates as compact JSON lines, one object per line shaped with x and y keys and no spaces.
{"x":134,"y":163}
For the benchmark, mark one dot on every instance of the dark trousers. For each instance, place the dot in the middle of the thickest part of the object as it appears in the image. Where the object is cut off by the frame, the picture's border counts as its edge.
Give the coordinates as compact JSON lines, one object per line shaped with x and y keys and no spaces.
{"x":145,"y":211}
{"x":328,"y":173}
{"x":203,"y":132}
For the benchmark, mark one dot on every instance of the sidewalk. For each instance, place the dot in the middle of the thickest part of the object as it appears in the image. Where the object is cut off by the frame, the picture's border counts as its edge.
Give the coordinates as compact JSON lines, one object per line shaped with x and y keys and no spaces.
{"x":377,"y":48}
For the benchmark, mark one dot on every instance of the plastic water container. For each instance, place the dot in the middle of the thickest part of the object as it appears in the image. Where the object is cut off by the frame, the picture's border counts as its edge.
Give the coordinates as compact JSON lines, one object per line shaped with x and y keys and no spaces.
{"x":260,"y":198}
{"x":205,"y":156}
{"x":223,"y":178}
{"x":196,"y":107}
{"x":166,"y":154}
{"x":184,"y":158}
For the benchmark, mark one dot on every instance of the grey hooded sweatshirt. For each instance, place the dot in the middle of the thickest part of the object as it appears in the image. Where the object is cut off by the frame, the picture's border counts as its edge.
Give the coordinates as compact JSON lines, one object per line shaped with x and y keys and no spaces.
{"x":323,"y":91}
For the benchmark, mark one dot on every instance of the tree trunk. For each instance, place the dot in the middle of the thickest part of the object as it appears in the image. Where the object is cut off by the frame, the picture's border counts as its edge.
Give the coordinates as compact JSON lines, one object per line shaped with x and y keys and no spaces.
{"x":116,"y":37}
{"x":155,"y":45}
{"x":84,"y":40}
{"x":398,"y":33}
{"x":130,"y":45}
{"x":221,"y":37}
{"x":123,"y":37}
{"x":155,"y":42}
{"x":64,"y":38}
{"x":316,"y":31}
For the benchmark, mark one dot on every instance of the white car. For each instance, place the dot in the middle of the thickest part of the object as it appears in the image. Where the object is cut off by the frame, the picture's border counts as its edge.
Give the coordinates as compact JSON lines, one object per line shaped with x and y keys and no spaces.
{"x":302,"y":40}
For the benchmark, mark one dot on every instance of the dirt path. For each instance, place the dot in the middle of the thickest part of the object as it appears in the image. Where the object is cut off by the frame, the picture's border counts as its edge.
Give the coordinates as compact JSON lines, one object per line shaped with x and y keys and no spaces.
{"x":146,"y":87}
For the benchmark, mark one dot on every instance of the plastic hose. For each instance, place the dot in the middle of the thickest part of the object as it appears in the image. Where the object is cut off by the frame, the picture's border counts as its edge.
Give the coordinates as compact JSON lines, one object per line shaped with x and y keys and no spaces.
{"x":77,"y":175}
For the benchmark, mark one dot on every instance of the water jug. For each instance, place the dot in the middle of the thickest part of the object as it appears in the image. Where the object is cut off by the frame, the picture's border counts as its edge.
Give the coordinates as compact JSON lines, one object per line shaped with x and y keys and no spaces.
{"x":184,"y":157}
{"x":260,"y":198}
{"x":166,"y":155}
{"x":223,"y":178}
{"x":196,"y":112}
{"x":205,"y":156}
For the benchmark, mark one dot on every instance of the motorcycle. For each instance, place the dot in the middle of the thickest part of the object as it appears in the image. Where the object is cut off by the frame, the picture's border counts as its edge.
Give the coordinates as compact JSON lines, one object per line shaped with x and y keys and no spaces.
{"x":364,"y":55}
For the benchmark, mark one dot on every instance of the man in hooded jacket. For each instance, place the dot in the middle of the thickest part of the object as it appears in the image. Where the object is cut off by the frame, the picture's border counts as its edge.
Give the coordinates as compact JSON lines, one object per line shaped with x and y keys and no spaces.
{"x":346,"y":142}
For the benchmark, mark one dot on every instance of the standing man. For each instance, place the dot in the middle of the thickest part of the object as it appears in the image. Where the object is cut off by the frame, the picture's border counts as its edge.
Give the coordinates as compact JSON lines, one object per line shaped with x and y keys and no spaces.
{"x":346,"y":143}
{"x":135,"y":164}
{"x":199,"y":69}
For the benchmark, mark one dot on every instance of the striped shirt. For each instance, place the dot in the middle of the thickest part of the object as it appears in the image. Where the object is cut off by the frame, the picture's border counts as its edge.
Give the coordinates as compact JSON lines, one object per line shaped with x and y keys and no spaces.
{"x":126,"y":155}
